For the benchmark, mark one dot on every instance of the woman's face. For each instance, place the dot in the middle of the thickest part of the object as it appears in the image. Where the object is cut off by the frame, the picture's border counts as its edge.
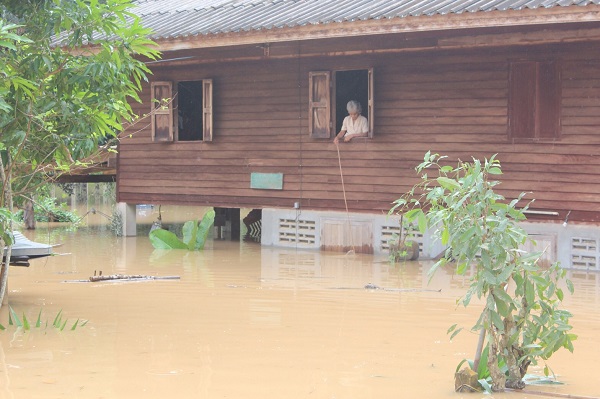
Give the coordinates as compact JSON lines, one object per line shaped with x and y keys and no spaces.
{"x":353,"y":115}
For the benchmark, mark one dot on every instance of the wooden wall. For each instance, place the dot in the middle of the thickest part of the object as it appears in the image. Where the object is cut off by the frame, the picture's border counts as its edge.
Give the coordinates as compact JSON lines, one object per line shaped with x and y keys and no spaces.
{"x":450,"y":102}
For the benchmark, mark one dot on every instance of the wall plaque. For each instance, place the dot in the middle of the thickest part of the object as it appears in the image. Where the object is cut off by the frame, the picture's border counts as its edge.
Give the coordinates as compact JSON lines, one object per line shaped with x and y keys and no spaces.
{"x":266,"y":181}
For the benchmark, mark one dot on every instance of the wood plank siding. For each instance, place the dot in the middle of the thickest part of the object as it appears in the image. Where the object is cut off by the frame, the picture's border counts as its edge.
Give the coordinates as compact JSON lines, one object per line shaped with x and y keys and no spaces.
{"x":454,"y":102}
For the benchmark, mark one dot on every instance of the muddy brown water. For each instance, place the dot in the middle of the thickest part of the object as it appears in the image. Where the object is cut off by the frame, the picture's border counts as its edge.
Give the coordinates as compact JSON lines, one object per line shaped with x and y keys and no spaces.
{"x":245,"y":321}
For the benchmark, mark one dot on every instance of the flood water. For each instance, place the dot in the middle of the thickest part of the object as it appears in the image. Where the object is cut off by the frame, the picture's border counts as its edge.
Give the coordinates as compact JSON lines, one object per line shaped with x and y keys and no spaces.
{"x":245,"y":321}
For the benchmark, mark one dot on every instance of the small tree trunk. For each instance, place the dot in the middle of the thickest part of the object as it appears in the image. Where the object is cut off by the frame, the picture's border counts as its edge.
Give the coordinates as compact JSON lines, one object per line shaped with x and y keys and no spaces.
{"x":498,"y":377}
{"x":4,"y":274}
{"x":29,"y":215}
{"x":512,"y":356}
{"x":8,"y":202}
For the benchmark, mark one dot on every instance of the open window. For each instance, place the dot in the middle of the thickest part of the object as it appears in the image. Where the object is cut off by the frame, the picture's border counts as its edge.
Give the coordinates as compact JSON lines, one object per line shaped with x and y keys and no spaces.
{"x":185,"y":117}
{"x":534,"y":100}
{"x":329,"y":94}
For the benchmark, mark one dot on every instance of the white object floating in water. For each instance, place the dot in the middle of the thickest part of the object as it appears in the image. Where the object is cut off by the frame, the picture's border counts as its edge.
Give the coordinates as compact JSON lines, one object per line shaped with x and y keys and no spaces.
{"x":23,"y":247}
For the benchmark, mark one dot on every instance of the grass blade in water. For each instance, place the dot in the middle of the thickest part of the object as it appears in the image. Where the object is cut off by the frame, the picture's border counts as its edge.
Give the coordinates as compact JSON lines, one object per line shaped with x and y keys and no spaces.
{"x":13,"y":318}
{"x":38,"y":322}
{"x":26,"y":325}
{"x":57,"y":319}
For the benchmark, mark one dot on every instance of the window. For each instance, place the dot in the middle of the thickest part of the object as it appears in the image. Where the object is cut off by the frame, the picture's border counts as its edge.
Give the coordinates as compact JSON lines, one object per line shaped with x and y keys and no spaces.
{"x":193,"y":118}
{"x":329,"y":94}
{"x":534,"y":100}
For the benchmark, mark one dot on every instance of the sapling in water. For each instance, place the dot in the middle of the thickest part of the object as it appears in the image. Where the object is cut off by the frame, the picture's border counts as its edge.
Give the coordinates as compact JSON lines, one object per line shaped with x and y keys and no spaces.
{"x":522,"y":319}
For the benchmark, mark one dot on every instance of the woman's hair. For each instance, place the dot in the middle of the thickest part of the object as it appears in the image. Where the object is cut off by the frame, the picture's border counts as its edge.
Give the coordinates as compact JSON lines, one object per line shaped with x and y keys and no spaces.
{"x":353,"y":106}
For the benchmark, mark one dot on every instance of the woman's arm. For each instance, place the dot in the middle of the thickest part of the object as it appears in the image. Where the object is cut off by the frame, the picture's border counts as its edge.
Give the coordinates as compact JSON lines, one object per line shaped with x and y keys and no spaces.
{"x":339,"y":136}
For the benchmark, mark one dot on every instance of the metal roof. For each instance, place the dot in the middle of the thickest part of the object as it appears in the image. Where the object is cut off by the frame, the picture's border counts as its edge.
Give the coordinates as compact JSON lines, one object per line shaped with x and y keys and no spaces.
{"x":171,"y":19}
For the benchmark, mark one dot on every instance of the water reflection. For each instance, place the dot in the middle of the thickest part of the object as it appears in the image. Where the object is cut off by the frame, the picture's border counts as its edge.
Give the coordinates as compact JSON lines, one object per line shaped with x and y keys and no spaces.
{"x":246,"y":321}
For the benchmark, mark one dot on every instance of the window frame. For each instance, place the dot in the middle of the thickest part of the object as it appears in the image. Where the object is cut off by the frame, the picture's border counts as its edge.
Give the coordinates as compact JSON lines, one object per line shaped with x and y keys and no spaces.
{"x":321,"y":105}
{"x":169,"y":110}
{"x":534,"y":100}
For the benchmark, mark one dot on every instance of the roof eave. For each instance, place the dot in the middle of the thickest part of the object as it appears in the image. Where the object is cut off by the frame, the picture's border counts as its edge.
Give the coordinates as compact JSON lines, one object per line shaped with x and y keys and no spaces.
{"x":467,"y":20}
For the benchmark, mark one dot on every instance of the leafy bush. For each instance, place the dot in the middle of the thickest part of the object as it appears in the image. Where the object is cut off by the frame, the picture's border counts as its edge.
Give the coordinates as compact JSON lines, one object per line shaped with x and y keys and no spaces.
{"x":47,"y":210}
{"x":478,"y":226}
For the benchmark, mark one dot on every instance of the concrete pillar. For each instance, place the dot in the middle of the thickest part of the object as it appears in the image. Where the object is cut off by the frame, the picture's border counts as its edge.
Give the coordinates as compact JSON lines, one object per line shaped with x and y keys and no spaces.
{"x":128,"y":216}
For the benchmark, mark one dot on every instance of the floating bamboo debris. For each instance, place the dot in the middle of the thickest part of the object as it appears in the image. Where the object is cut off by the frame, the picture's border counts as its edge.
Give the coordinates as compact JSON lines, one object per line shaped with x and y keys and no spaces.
{"x":123,"y":277}
{"x":130,"y":277}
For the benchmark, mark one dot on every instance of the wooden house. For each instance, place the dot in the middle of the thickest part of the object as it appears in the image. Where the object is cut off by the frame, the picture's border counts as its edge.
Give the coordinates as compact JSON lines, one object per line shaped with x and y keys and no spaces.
{"x":241,"y":112}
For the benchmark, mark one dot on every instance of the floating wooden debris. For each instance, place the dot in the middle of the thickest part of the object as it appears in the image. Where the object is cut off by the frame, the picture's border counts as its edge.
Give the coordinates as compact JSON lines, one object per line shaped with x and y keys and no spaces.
{"x":122,"y":277}
{"x":130,"y":277}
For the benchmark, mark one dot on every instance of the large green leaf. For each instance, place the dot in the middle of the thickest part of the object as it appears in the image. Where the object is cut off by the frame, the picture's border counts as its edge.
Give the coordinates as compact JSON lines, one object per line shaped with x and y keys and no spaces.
{"x":190,"y":230}
{"x":204,"y":228}
{"x":164,"y":239}
{"x":448,"y":184}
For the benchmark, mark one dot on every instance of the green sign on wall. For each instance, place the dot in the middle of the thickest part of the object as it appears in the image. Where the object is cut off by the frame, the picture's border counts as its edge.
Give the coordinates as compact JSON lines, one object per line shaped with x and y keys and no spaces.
{"x":266,"y":181}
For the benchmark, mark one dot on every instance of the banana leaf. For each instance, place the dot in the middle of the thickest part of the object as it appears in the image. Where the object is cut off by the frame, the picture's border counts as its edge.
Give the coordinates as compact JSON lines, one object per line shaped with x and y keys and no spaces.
{"x":190,"y":230}
{"x":164,"y":239}
{"x":204,"y":228}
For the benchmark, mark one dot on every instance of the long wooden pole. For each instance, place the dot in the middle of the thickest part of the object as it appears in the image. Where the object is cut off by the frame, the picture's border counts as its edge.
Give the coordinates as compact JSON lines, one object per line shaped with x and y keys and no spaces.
{"x":479,"y":350}
{"x":353,"y":251}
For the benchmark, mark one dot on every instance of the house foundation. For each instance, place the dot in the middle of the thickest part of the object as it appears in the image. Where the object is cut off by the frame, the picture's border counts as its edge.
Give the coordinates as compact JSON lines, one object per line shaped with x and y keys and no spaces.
{"x":575,"y":246}
{"x":128,"y":215}
{"x":337,"y":231}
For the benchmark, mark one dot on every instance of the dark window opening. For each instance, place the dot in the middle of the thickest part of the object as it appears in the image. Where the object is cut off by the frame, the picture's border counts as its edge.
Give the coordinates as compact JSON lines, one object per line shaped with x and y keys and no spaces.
{"x":189,"y":111}
{"x":350,"y":85}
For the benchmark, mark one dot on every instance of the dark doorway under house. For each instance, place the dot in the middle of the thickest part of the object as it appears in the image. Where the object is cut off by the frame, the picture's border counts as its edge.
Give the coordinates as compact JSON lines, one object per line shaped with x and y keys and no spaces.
{"x":227,"y":224}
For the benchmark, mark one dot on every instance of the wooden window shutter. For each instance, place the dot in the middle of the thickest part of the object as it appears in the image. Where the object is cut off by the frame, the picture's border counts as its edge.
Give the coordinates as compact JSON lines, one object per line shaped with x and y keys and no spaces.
{"x":521,"y":103}
{"x":534,"y":100}
{"x":548,"y":100}
{"x":207,"y":109}
{"x":371,"y":104}
{"x":319,"y":113}
{"x":162,"y":111}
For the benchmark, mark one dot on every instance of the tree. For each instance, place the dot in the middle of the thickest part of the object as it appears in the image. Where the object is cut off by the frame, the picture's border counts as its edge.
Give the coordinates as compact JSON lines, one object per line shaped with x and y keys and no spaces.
{"x":479,"y":227}
{"x":68,"y":69}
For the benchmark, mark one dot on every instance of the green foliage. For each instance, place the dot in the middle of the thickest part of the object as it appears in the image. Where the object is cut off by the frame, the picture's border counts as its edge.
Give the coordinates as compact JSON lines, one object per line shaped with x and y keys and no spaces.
{"x":47,"y":210}
{"x":194,"y":235}
{"x":164,"y":239}
{"x":116,"y":222}
{"x":22,"y":322}
{"x":479,"y":228}
{"x":6,"y":237}
{"x":64,"y":87}
{"x":402,"y":246}
{"x":67,"y":72}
